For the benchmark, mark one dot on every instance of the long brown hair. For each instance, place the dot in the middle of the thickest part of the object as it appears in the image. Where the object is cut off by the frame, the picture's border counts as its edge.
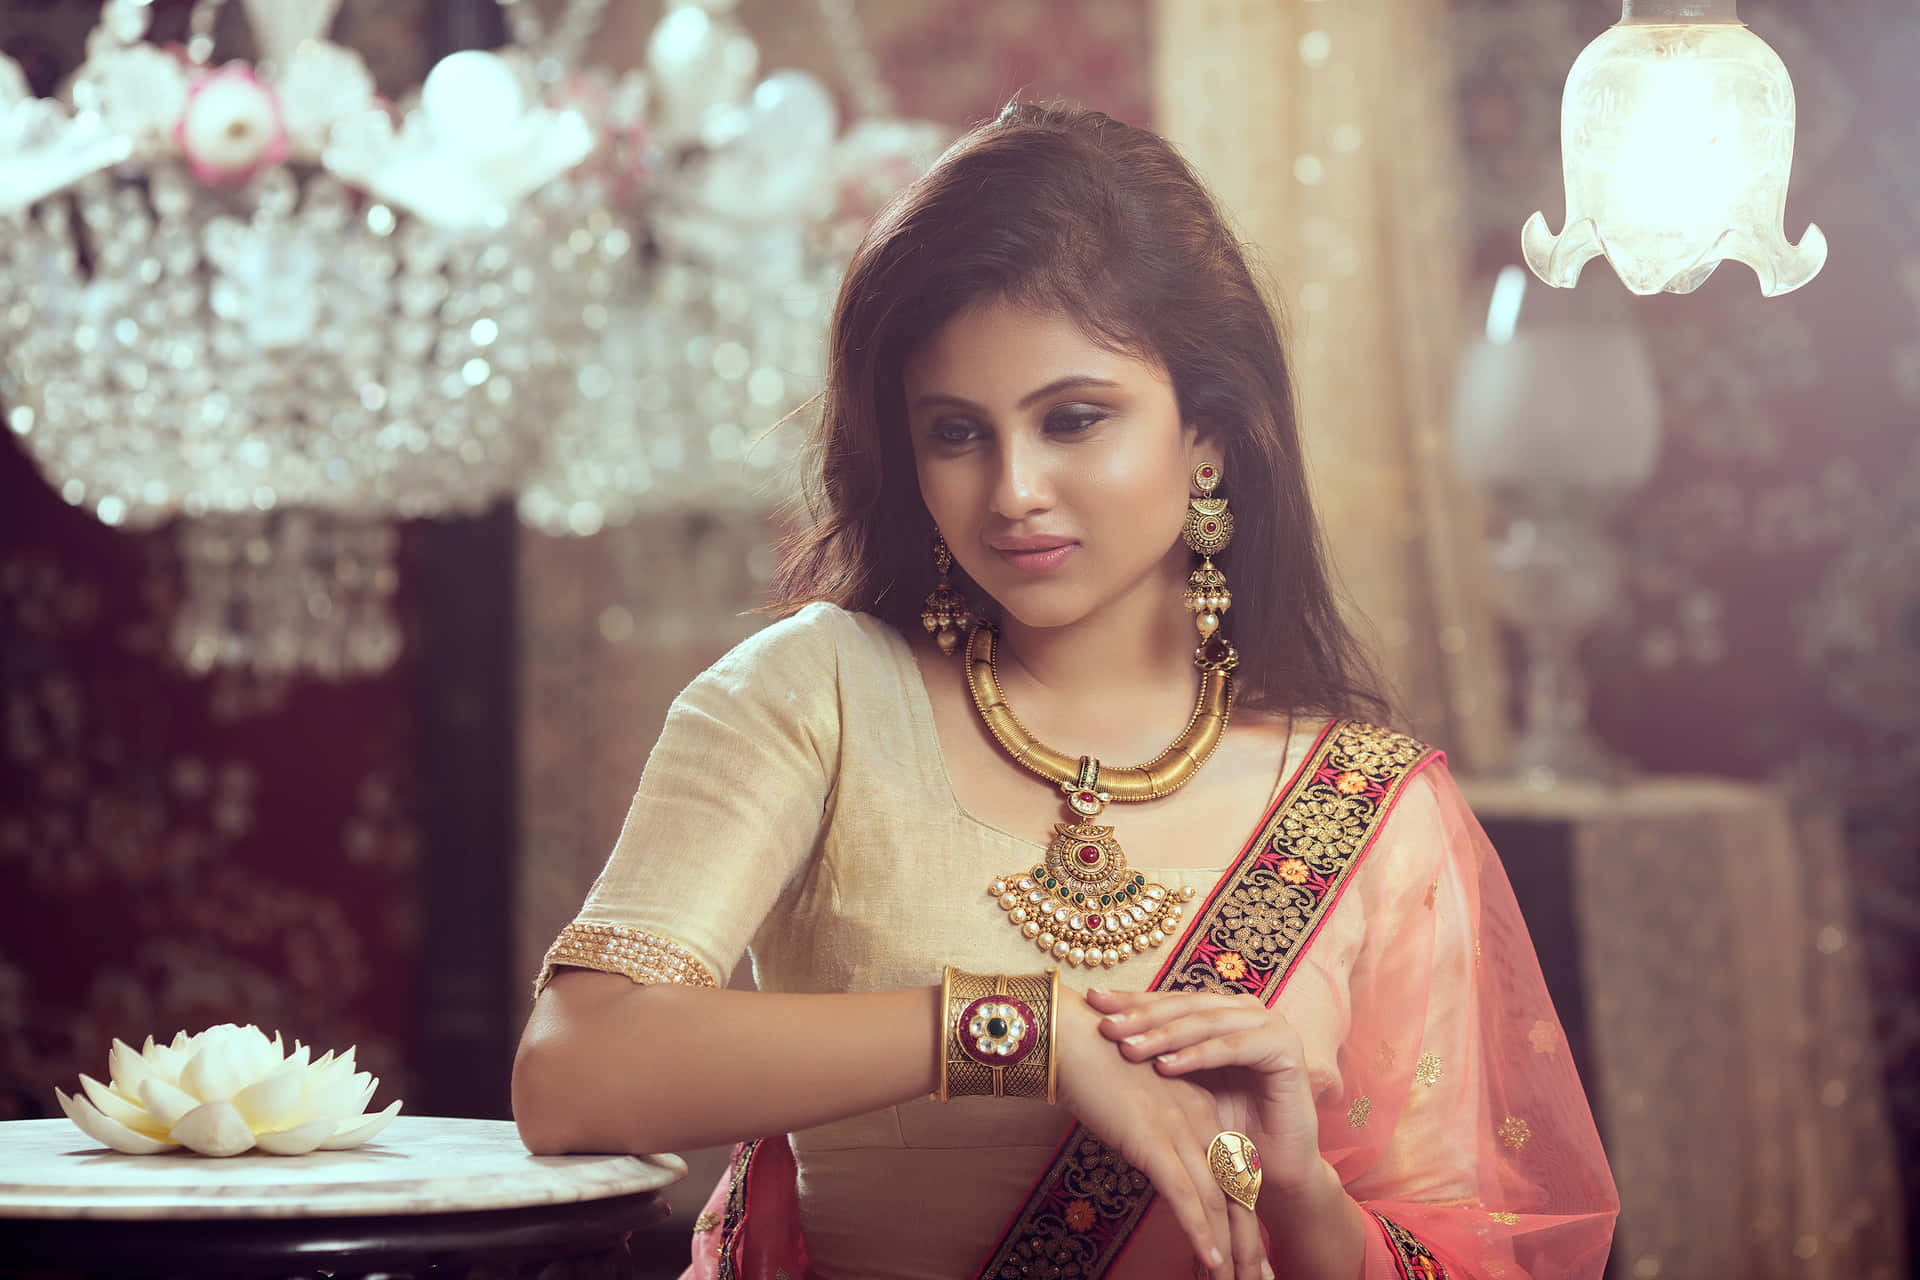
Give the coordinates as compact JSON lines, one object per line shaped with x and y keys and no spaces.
{"x":1068,"y":210}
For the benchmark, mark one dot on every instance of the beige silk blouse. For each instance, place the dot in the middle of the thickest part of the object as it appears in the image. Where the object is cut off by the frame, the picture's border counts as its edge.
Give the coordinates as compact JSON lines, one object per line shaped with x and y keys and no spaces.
{"x":797,"y":807}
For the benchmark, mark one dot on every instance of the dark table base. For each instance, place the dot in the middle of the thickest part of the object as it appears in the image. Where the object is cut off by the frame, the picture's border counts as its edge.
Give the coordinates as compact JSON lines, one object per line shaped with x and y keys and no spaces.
{"x":581,"y":1241}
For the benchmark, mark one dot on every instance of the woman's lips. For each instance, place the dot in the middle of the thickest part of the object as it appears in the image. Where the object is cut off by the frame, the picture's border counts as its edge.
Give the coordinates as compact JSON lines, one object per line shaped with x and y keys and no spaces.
{"x":1037,"y":559}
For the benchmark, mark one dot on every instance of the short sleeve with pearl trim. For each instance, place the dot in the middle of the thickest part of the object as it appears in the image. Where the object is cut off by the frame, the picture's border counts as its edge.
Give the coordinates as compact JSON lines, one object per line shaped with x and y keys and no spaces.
{"x":729,"y":811}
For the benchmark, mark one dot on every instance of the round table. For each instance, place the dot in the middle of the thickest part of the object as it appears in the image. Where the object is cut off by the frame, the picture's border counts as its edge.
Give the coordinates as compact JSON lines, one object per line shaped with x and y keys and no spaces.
{"x":431,"y":1196}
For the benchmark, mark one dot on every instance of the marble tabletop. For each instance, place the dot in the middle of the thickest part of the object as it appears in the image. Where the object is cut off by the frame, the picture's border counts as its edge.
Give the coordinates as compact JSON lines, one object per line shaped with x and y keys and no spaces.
{"x":418,"y":1164}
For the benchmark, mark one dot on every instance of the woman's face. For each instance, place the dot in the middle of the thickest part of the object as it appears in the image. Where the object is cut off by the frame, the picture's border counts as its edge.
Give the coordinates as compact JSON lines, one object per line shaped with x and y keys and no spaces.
{"x":1057,"y":469}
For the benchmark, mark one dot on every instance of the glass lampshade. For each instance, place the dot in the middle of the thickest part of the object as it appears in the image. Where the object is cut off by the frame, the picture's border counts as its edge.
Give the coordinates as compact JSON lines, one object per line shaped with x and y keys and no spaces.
{"x":1676,"y":136}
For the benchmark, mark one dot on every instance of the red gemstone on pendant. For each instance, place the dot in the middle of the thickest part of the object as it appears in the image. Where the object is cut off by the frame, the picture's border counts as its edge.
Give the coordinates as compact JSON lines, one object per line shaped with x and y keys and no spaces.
{"x":1089,"y":854}
{"x":1211,"y":527}
{"x":1086,"y":797}
{"x":1093,"y":922}
{"x":1214,"y":650}
{"x":1206,"y":473}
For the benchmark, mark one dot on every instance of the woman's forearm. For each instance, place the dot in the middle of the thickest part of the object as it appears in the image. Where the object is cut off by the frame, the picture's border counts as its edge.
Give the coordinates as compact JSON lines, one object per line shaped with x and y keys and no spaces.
{"x":605,"y":1065}
{"x":1319,"y":1233}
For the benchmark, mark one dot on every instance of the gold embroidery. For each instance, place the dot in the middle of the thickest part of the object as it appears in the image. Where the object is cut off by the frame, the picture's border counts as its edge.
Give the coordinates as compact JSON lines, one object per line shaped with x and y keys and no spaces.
{"x":1080,"y":1215}
{"x":633,"y":953}
{"x":781,"y":1273}
{"x":1231,"y":965}
{"x":1503,"y":1218}
{"x":1476,"y":953}
{"x":705,"y":1222}
{"x":1358,"y":1113}
{"x":1293,"y":871}
{"x":1427,"y":1070}
{"x":1543,"y":1036}
{"x":1376,"y":751}
{"x":1514,"y":1132}
{"x":1318,"y":829}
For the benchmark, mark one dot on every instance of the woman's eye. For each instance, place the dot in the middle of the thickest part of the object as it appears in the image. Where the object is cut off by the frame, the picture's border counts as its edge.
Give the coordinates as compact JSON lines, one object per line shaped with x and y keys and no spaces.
{"x":952,"y":431}
{"x":1070,"y":421}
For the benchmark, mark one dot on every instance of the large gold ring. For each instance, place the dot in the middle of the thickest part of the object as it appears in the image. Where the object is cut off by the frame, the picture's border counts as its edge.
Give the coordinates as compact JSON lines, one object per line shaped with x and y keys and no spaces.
{"x":1235,"y":1164}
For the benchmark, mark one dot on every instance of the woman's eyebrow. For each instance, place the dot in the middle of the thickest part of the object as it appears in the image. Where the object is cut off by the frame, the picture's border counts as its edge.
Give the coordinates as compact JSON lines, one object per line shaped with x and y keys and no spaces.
{"x":1072,"y":382}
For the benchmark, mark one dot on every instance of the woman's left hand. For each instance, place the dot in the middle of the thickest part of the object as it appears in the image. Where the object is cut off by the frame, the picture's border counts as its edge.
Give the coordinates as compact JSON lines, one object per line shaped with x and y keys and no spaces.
{"x":1247,"y":1055}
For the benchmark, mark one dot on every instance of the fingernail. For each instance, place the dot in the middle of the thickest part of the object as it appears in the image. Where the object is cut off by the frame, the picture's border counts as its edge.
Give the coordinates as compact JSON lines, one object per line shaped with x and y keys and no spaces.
{"x":1266,"y":1270}
{"x":1216,"y":1257}
{"x":1096,"y":991}
{"x":1114,"y":1019}
{"x":1165,"y":1057}
{"x":1135,"y":1039}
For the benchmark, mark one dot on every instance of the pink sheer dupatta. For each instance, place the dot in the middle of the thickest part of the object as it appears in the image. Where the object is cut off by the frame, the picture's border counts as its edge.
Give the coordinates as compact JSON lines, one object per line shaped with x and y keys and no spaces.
{"x":1460,"y":1124}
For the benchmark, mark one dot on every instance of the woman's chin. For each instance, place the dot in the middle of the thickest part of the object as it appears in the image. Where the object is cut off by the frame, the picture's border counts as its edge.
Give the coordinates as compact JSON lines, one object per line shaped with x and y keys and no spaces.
{"x":1043,"y":610}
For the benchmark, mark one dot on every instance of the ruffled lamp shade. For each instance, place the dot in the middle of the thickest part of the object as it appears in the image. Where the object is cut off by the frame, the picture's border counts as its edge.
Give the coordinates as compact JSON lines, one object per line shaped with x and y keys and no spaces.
{"x":1676,"y":136}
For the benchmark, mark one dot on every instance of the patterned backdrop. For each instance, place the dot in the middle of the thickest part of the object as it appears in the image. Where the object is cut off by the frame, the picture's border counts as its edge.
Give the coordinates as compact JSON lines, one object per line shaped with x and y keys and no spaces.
{"x":1773,"y":626}
{"x":182,"y":850}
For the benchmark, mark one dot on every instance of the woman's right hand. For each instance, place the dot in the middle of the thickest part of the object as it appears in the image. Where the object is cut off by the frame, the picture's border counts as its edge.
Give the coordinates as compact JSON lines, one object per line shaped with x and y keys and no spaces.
{"x":1162,"y":1127}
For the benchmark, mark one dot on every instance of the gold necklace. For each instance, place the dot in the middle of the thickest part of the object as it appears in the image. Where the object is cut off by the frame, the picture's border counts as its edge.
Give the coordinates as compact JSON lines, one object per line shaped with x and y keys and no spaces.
{"x":1081,"y":903}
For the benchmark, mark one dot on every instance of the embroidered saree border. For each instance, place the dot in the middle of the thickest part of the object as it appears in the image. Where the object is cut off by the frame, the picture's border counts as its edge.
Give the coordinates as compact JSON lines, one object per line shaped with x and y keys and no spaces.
{"x":1245,"y":938}
{"x":735,"y":1213}
{"x":1415,"y":1260}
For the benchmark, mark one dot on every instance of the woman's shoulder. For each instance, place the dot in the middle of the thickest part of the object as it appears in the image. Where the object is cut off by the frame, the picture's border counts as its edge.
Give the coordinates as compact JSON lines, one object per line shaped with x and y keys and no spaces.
{"x":813,"y":644}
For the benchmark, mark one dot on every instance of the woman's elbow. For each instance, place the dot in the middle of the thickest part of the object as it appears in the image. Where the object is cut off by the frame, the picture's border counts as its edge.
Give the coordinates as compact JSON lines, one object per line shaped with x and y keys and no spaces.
{"x":539,"y":1110}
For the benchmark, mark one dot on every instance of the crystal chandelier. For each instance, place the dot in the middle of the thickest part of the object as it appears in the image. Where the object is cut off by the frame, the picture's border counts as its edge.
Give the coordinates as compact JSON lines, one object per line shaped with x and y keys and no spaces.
{"x":240,"y":296}
{"x":744,"y":199}
{"x":263,"y":302}
{"x":1676,"y":135}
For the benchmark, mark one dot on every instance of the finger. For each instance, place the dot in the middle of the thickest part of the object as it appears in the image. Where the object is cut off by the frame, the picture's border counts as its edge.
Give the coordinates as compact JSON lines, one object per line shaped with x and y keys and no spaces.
{"x":1173,"y":1179}
{"x":1249,"y":1250}
{"x":1119,"y":1001}
{"x":1189,"y":1030}
{"x":1203,"y":1123}
{"x":1259,"y":1048}
{"x":1141,"y":1014}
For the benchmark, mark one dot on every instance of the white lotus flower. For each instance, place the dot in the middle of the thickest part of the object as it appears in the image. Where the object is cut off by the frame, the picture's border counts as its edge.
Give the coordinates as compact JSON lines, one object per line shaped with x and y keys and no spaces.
{"x":225,"y":1091}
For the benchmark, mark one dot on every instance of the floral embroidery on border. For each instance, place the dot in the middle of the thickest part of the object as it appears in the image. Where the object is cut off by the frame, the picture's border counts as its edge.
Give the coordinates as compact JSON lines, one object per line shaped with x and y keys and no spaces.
{"x":1262,"y":915}
{"x":1415,"y":1260}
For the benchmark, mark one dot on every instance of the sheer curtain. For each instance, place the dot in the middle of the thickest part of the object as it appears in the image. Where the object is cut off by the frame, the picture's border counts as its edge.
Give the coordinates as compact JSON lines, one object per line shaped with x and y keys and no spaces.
{"x":1327,"y":131}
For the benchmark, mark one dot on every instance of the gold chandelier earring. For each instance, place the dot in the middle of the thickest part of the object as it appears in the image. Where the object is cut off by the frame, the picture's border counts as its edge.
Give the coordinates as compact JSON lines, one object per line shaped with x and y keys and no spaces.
{"x":1209,"y":529}
{"x":945,"y":614}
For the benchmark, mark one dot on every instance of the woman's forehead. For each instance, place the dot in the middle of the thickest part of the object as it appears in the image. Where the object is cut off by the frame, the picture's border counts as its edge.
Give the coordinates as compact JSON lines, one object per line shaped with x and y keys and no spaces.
{"x":1002,"y":347}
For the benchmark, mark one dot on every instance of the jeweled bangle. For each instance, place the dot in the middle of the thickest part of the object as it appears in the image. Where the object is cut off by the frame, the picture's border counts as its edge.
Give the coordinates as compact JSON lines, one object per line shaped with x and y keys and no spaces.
{"x":998,"y":1035}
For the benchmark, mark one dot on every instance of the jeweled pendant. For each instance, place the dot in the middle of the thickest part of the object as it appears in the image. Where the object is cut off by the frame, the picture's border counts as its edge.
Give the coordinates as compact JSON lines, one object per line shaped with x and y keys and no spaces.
{"x":1084,"y":906}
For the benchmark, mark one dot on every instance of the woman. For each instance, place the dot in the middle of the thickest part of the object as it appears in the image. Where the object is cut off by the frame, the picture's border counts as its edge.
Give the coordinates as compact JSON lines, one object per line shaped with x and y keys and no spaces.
{"x":1300,"y":1028}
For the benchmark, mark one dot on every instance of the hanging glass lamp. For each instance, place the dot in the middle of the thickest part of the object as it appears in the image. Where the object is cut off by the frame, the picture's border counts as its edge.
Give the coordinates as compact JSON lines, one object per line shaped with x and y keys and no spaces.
{"x":1676,"y":136}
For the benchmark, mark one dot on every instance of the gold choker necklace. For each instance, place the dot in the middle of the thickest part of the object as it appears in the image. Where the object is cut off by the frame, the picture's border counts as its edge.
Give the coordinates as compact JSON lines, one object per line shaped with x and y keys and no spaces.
{"x":1081,"y":904}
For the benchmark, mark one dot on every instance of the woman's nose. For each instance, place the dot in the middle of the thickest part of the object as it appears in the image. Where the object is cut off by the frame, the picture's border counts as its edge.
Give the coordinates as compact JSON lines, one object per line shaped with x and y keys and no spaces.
{"x":1023,"y":485}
